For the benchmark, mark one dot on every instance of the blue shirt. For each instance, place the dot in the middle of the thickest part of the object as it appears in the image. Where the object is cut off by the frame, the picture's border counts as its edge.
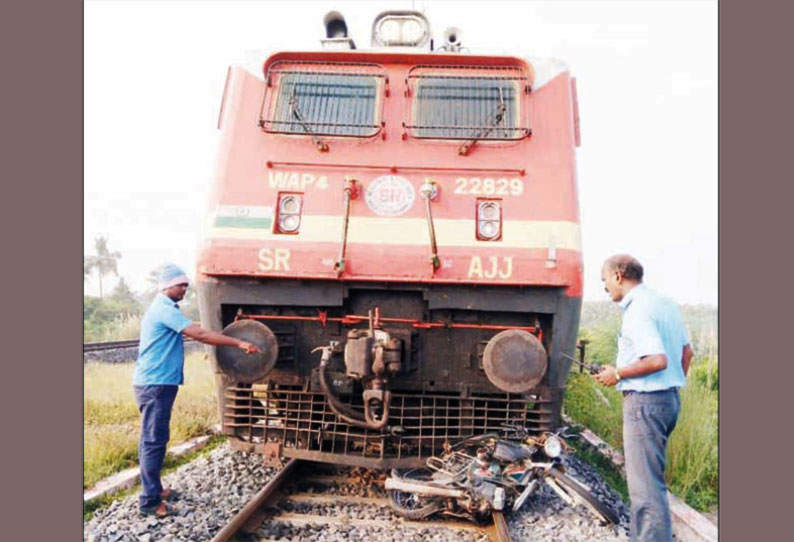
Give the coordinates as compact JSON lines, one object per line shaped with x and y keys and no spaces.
{"x":651,"y":325}
{"x":161,"y":354}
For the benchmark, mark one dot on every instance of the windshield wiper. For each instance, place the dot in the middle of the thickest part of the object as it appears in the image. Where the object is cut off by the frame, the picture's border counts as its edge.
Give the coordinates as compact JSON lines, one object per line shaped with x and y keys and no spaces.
{"x":293,"y":103}
{"x":463,"y":150}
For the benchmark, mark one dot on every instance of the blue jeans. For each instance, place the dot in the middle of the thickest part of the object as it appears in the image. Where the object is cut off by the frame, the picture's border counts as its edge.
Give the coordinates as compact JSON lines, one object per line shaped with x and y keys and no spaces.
{"x":154,"y":403}
{"x":648,"y":420}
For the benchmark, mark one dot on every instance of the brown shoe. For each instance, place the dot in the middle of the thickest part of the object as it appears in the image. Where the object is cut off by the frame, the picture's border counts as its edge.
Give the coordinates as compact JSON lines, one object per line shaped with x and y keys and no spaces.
{"x":168,"y":494}
{"x":159,"y":511}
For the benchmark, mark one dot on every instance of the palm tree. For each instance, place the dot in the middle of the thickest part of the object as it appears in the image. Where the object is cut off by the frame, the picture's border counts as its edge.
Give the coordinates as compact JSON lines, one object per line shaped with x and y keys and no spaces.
{"x":103,"y":261}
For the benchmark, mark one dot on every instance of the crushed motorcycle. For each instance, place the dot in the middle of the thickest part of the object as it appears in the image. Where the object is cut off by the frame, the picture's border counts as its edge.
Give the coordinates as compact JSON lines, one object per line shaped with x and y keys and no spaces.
{"x":487,"y":473}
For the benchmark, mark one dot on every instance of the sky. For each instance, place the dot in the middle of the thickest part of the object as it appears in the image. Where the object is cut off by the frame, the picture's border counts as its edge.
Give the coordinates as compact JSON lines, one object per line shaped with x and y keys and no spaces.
{"x":646,"y":73}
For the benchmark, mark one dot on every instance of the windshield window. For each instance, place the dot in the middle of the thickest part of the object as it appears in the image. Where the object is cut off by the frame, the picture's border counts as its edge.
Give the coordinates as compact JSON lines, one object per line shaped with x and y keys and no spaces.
{"x":323,"y":103}
{"x":467,"y":107}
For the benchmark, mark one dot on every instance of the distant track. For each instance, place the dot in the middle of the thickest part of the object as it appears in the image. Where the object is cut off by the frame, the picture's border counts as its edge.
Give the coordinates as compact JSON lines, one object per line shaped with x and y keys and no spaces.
{"x":114,"y":345}
{"x":109,"y":345}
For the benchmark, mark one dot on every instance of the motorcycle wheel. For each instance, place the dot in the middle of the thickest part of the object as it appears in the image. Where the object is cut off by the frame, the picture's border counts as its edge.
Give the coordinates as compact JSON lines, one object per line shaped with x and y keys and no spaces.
{"x":412,"y":506}
{"x":570,"y":485}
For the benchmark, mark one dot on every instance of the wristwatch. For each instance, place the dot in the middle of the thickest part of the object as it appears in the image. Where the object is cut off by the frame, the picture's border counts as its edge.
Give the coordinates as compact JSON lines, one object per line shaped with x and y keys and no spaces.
{"x":617,"y":374}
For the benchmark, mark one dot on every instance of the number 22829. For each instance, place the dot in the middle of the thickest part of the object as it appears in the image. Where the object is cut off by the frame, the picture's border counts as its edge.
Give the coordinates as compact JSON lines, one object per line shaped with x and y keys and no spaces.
{"x":488,"y":186}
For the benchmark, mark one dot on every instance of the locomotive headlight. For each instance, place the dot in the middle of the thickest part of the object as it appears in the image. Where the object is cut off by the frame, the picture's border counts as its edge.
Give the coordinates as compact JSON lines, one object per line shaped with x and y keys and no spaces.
{"x":389,"y":31}
{"x":407,"y":29}
{"x":289,"y":213}
{"x":411,"y":31}
{"x":552,"y":446}
{"x":489,"y":219}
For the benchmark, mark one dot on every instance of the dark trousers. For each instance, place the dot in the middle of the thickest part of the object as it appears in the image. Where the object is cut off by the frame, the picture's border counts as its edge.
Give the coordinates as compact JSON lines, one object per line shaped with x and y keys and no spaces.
{"x":154,"y":403}
{"x":648,"y":420}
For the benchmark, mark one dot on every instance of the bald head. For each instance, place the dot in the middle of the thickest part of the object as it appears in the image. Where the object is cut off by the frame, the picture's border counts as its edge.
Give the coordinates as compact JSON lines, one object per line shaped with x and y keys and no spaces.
{"x":620,"y":274}
{"x":628,"y":266}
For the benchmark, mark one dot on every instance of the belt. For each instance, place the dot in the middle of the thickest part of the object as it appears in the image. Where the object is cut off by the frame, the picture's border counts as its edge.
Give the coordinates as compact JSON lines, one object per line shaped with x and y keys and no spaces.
{"x":627,"y":392}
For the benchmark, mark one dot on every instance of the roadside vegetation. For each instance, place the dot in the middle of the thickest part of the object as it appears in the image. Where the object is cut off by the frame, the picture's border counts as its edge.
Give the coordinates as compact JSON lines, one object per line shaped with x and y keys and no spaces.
{"x":111,"y":420}
{"x":692,"y":453}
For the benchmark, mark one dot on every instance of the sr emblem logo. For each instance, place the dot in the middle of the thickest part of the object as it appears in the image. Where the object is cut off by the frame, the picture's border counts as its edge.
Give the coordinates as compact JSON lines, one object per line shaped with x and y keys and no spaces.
{"x":390,"y":195}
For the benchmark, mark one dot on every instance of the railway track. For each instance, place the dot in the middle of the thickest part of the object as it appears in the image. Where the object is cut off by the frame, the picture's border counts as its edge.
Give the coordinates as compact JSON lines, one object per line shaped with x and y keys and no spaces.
{"x":109,"y":345}
{"x":305,"y":499}
{"x":114,"y":345}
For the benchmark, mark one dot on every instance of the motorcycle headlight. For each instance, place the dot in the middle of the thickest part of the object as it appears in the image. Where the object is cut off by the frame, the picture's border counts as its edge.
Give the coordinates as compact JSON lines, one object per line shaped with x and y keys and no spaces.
{"x":552,"y":446}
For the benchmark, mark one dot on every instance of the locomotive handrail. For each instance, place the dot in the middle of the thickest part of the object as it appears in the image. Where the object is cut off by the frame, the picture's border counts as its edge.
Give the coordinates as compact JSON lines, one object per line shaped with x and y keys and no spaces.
{"x":429,"y":191}
{"x":350,"y":192}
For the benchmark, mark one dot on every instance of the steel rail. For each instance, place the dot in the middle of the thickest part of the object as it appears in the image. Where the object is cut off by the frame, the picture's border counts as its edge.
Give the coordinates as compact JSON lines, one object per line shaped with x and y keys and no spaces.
{"x":230,"y":530}
{"x":500,"y":532}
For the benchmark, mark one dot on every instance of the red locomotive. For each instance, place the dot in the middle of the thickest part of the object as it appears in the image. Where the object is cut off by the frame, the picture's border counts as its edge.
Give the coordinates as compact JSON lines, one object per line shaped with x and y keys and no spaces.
{"x":398,"y":228}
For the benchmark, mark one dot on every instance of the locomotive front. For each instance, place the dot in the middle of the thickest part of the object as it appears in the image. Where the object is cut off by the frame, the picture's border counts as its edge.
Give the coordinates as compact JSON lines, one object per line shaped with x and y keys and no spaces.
{"x":398,"y":229}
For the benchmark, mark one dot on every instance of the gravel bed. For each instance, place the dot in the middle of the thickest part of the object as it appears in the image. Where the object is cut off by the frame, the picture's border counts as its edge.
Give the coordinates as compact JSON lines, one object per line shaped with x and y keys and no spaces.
{"x":397,"y":532}
{"x":211,"y":489}
{"x":547,"y":518}
{"x":370,"y":485}
{"x":214,"y":488}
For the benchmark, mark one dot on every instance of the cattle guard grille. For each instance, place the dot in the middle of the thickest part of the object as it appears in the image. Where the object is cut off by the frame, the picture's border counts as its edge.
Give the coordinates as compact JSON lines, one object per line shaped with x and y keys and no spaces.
{"x":302,"y":420}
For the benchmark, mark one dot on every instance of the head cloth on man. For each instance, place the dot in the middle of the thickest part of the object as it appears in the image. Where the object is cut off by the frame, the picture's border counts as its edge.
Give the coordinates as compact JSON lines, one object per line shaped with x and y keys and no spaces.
{"x":171,"y":275}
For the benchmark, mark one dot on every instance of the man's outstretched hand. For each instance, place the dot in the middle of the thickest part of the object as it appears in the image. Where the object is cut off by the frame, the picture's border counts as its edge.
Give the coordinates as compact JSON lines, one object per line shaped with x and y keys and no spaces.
{"x":248,"y":348}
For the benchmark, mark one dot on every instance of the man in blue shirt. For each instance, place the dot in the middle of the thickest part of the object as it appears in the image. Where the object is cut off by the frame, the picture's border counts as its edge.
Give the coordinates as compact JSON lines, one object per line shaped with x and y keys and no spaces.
{"x":158,"y":375}
{"x":652,"y":362}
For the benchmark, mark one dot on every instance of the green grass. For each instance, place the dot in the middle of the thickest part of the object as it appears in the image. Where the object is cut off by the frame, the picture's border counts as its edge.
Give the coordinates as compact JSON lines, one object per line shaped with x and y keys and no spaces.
{"x":596,"y":407}
{"x":111,"y":420}
{"x":692,"y":467}
{"x":692,"y":459}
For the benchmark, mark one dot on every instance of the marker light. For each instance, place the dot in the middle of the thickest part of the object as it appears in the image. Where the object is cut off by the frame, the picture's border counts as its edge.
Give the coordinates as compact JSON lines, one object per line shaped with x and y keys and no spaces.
{"x":489,"y":220}
{"x":289,"y":213}
{"x":290,"y":205}
{"x":405,"y":28}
